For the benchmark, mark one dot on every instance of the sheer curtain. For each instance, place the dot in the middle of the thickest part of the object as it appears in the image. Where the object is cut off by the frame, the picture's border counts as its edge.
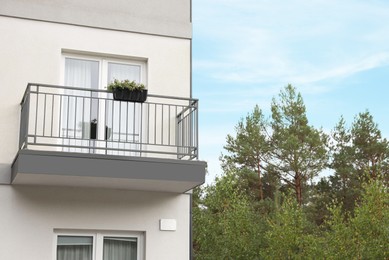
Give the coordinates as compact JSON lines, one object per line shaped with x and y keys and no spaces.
{"x":83,"y":74}
{"x":74,"y":248}
{"x":123,"y":71}
{"x":120,"y":248}
{"x":124,"y":117}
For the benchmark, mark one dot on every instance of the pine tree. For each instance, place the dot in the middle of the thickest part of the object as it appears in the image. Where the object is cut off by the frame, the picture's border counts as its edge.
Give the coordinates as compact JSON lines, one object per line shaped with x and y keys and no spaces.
{"x":298,"y":149}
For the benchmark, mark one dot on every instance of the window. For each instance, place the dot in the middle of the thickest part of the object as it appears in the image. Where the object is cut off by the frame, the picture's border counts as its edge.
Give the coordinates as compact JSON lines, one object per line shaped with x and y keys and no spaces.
{"x":99,"y":246}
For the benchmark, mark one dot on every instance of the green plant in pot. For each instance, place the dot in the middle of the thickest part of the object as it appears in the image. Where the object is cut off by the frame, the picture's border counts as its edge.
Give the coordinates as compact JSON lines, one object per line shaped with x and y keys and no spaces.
{"x":126,"y":90}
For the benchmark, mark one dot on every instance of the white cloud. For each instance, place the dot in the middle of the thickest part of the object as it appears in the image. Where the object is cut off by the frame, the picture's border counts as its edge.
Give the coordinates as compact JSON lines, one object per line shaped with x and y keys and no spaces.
{"x":296,"y":41}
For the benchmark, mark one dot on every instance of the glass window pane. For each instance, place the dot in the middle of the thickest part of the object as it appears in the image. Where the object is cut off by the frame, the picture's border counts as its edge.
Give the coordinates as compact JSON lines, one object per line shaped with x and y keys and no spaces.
{"x":81,"y":73}
{"x":120,"y":248}
{"x":123,"y":71}
{"x":74,"y":248}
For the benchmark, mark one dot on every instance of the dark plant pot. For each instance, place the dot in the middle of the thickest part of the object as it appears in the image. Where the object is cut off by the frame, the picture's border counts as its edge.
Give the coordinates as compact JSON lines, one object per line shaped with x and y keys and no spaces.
{"x":93,"y":131}
{"x":132,"y":96}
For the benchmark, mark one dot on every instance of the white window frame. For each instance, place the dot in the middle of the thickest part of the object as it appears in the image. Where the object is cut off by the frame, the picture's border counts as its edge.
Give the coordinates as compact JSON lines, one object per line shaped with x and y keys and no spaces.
{"x":103,"y":61}
{"x":98,"y":241}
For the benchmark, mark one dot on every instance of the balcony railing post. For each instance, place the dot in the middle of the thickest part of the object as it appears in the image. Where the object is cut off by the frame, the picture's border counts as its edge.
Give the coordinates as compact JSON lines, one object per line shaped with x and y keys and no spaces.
{"x":24,"y":118}
{"x":195,"y":129}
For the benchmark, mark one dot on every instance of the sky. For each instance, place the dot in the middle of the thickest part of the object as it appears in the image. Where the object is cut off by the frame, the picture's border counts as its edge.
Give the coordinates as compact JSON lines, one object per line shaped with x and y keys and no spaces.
{"x":336,"y":53}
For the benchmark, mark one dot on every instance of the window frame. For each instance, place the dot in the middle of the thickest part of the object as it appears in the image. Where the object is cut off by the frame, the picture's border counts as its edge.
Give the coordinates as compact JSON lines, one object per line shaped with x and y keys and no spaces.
{"x":98,"y":240}
{"x":103,"y":62}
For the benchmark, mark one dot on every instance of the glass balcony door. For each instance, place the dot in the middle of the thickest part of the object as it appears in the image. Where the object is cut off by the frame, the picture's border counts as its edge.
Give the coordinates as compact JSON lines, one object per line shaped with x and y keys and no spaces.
{"x":93,"y":119}
{"x":123,"y":118}
{"x":80,"y":109}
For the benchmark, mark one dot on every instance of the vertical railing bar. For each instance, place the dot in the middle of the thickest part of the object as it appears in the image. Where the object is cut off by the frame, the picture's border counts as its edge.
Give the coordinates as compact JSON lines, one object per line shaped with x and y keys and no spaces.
{"x":44,"y":115}
{"x":133,"y":123}
{"x":176,"y":127}
{"x":75,"y":117}
{"x":190,"y":119}
{"x":106,"y":128}
{"x":25,"y":116}
{"x":52,"y":115}
{"x":90,"y":122}
{"x":97,"y":125}
{"x":127,"y":121}
{"x":83,"y":120}
{"x":112,"y":111}
{"x":28,"y":117}
{"x":120,"y":117}
{"x":192,"y":130}
{"x":186,"y":134}
{"x":36,"y":112}
{"x":67,"y":120}
{"x":169,"y":124}
{"x":178,"y":132}
{"x":197,"y":131}
{"x":155,"y":124}
{"x":148,"y":122}
{"x":60,"y":115}
{"x":141,"y":129}
{"x":162,"y":123}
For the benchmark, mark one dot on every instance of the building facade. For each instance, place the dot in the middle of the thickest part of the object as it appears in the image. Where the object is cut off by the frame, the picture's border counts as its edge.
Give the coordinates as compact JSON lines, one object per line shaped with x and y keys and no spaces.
{"x":84,"y":176}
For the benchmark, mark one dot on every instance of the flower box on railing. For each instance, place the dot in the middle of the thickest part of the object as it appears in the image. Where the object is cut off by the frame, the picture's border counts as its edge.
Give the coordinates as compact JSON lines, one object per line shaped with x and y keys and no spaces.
{"x":128,"y":91}
{"x":130,"y":95}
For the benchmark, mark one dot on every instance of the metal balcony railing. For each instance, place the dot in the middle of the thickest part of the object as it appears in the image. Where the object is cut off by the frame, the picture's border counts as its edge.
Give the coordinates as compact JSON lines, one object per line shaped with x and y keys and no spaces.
{"x":69,"y":119}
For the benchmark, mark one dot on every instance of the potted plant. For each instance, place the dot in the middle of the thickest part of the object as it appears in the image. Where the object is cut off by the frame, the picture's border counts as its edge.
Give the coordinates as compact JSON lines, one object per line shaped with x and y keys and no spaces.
{"x":126,"y":90}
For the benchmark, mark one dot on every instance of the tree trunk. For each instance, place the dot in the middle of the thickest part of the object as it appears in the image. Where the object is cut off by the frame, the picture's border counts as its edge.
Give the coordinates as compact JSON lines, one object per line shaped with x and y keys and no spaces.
{"x":260,"y":182}
{"x":298,"y":189}
{"x":373,"y":169}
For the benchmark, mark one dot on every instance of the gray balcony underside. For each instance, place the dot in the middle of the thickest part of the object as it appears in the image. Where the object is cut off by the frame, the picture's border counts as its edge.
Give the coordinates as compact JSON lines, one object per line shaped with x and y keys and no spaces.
{"x":34,"y":167}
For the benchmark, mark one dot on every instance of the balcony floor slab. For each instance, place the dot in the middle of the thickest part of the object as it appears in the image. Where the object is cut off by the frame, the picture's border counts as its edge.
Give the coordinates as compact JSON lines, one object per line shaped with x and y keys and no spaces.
{"x":32,"y":167}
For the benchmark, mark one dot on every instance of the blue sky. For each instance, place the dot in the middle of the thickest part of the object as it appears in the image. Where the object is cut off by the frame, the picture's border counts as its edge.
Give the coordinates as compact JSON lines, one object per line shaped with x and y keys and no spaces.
{"x":336,"y":53}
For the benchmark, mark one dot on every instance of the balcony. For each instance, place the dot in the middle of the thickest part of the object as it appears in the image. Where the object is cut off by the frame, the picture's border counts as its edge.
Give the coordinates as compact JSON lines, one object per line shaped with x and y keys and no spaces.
{"x":83,"y":137}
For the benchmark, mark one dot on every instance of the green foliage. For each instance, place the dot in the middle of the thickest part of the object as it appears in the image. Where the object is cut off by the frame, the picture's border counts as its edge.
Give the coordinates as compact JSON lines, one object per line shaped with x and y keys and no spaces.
{"x":290,"y":235}
{"x":299,"y":150}
{"x":355,"y":152}
{"x":366,"y":234}
{"x":249,"y":150}
{"x":249,"y":212}
{"x":125,"y":84}
{"x":225,"y":225}
{"x":371,"y":151}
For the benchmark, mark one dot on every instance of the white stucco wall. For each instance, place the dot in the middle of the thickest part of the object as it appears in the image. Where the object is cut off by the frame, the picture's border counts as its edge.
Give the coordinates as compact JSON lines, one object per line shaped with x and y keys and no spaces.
{"x":167,"y":17}
{"x":31,"y":51}
{"x":31,"y":214}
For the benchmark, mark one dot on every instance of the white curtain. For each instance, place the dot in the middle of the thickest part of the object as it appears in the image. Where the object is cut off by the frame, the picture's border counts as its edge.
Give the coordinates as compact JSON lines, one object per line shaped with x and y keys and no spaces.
{"x":78,"y":112}
{"x":74,"y":248}
{"x":123,"y":71}
{"x":81,"y":73}
{"x":120,"y":248}
{"x":123,"y":117}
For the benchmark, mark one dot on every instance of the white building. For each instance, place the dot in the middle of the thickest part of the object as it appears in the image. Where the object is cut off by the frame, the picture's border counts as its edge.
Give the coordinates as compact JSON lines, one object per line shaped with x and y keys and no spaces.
{"x":83,"y":176}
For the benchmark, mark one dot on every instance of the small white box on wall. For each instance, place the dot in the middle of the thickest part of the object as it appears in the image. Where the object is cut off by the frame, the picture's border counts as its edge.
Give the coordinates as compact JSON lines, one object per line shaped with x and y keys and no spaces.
{"x":167,"y":225}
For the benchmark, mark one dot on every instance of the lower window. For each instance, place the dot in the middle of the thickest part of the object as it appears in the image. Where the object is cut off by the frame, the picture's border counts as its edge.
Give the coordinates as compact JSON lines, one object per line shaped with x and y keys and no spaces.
{"x":98,"y":247}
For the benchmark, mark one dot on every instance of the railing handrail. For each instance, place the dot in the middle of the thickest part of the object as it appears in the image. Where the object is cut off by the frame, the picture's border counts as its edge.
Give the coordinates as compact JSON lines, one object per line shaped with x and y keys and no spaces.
{"x":193,"y":100}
